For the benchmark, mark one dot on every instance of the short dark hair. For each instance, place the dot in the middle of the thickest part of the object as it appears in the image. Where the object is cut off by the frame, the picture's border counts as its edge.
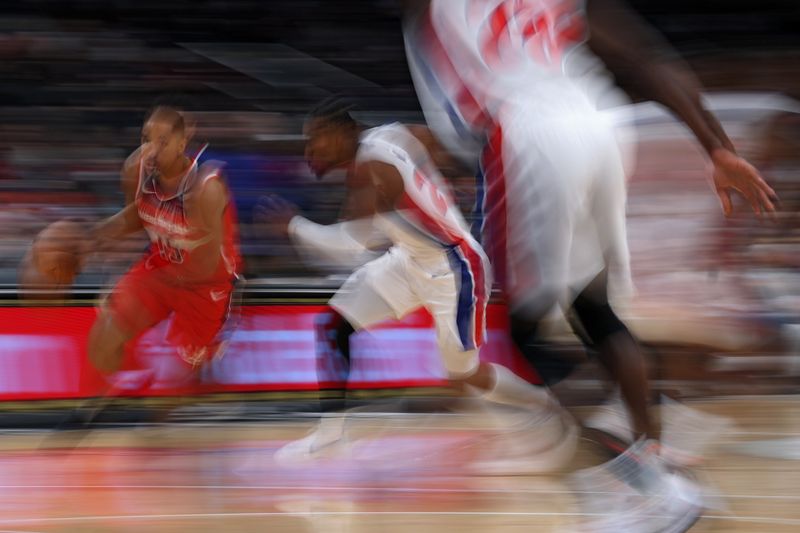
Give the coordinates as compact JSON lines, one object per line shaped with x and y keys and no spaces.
{"x":334,"y":109}
{"x":168,"y":108}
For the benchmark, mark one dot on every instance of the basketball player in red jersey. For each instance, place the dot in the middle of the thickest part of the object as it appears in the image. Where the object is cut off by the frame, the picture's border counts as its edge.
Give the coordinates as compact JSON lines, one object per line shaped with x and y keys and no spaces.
{"x":193,"y":261}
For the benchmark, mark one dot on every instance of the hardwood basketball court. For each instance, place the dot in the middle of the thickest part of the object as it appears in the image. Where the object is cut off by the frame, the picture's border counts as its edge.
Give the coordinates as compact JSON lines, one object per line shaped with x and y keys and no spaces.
{"x":407,"y":476}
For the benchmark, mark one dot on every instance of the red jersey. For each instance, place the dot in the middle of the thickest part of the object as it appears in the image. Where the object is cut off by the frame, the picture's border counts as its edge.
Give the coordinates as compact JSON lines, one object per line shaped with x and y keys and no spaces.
{"x":172,"y":236}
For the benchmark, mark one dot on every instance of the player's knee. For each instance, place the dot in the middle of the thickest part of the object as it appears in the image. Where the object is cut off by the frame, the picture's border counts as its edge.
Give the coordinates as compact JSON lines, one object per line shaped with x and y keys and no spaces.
{"x":598,"y":319}
{"x":460,"y":365}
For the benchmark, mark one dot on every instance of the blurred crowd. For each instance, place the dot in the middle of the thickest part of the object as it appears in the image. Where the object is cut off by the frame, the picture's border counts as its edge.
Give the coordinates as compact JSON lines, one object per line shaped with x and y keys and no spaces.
{"x":77,"y":77}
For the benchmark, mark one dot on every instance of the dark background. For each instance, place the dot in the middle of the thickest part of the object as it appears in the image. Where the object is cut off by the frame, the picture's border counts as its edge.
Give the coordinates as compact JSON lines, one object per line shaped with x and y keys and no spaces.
{"x":77,"y":76}
{"x":359,"y":36}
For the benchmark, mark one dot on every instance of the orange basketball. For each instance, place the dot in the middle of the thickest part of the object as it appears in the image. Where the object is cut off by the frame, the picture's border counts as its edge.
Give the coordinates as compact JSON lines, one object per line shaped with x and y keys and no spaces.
{"x":55,"y":254}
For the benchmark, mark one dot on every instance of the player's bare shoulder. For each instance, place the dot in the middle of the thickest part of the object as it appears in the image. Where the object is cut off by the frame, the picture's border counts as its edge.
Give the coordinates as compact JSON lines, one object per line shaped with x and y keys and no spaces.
{"x":207,"y":193}
{"x":423,"y":135}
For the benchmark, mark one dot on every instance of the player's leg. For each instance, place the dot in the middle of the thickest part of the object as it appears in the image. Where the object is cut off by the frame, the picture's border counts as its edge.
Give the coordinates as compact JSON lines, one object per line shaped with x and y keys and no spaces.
{"x":106,"y":343}
{"x":672,"y":502}
{"x":669,"y":498}
{"x":529,"y":243}
{"x":619,"y":424}
{"x":458,"y":302}
{"x":356,"y":306}
{"x":551,"y":367}
{"x":527,"y":228}
{"x":542,"y":440}
{"x":617,"y":351}
{"x":332,"y":332}
{"x":134,"y":306}
{"x":203,"y":321}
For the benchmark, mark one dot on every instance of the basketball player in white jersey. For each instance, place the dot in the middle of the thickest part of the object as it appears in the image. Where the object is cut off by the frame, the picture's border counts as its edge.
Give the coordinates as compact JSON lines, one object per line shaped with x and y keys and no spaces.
{"x":433,"y":262}
{"x":512,"y":87}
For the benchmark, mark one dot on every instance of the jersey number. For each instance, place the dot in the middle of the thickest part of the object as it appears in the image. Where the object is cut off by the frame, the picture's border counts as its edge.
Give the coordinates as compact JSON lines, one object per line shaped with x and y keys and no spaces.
{"x":540,"y":29}
{"x":169,"y":252}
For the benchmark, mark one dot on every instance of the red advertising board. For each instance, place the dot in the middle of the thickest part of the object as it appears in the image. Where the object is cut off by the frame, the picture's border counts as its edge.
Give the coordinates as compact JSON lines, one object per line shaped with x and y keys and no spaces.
{"x":273,"y":348}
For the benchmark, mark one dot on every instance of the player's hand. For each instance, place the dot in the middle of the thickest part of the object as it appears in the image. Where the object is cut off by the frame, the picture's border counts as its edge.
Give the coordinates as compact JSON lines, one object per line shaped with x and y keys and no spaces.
{"x":274,"y":213}
{"x":733,"y":173}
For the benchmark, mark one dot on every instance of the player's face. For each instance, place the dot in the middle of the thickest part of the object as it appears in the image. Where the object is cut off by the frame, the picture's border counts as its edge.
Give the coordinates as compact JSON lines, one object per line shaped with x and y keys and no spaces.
{"x":162,"y":146}
{"x":325,"y":146}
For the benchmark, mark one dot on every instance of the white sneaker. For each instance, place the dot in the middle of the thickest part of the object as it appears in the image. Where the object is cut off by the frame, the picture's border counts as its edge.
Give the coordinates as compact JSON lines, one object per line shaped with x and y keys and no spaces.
{"x":324,"y":440}
{"x":546,"y":444}
{"x":687,"y":434}
{"x":613,"y":419}
{"x":635,"y":494}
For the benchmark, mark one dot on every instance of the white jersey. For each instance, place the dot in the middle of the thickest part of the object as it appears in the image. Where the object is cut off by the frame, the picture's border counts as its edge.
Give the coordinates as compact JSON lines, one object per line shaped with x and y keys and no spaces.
{"x":469,"y":58}
{"x":434,"y":263}
{"x":511,"y":88}
{"x":426,"y":219}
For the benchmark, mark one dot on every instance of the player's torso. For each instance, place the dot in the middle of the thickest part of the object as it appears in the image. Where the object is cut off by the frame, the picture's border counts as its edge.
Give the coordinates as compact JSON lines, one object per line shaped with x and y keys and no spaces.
{"x":469,"y":57}
{"x":425,"y":220}
{"x":170,"y":220}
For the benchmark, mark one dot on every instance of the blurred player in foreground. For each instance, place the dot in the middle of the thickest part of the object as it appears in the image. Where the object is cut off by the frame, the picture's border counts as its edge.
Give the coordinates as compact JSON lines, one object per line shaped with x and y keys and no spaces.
{"x":513,"y":86}
{"x":433,"y":262}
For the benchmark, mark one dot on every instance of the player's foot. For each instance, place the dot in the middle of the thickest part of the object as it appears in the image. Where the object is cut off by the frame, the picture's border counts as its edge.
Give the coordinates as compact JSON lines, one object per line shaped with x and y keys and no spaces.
{"x":686,"y":437}
{"x":546,"y":444}
{"x":325,"y":439}
{"x":86,"y":415}
{"x":636,"y":494}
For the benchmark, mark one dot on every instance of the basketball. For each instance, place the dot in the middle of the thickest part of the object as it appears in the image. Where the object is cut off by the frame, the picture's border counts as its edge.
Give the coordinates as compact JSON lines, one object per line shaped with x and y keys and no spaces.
{"x":55,"y":254}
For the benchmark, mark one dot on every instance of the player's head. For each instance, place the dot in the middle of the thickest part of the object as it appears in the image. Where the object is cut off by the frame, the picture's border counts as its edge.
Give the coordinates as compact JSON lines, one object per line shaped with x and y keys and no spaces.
{"x":164,"y":136}
{"x":331,"y":135}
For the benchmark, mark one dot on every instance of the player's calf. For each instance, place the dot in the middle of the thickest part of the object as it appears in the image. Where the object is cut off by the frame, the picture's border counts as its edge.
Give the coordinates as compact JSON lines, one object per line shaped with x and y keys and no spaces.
{"x":106,"y":343}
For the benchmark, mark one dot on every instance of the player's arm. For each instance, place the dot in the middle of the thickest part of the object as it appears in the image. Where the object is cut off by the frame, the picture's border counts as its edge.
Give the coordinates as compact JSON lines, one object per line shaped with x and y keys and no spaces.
{"x":116,"y":226}
{"x":110,"y":229}
{"x":353,"y":239}
{"x":348,"y":243}
{"x":388,"y":182}
{"x":644,"y":63}
{"x":359,"y":198}
{"x":207,"y":211}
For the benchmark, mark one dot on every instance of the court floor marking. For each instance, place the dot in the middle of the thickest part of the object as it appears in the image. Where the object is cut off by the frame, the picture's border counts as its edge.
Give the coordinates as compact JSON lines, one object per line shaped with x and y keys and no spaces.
{"x":188,"y":516}
{"x":341,"y":488}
